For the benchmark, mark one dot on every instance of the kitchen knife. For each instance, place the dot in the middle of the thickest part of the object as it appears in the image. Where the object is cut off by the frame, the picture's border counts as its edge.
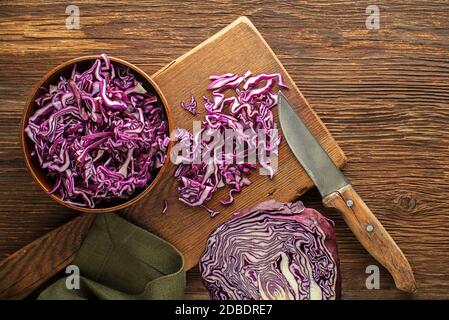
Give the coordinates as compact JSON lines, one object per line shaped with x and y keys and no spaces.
{"x":338,"y":193}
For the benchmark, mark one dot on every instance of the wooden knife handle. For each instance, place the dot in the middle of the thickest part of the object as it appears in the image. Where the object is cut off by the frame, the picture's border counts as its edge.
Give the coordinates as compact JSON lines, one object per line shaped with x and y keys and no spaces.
{"x":372,"y":235}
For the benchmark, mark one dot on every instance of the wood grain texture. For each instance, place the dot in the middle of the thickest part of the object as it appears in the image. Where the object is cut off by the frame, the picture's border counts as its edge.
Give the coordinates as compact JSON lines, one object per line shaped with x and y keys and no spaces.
{"x":185,"y":227}
{"x":383,"y":94}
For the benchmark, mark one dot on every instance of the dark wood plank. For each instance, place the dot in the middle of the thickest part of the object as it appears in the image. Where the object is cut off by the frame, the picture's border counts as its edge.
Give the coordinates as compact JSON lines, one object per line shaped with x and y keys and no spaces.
{"x":383,"y":95}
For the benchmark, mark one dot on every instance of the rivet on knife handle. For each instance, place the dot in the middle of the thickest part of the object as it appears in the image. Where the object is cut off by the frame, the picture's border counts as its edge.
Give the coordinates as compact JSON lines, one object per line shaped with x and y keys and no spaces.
{"x":372,"y":235}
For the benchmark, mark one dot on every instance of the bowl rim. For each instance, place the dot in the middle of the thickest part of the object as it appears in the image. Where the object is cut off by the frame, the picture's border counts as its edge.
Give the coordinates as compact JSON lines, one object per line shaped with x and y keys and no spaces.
{"x":30,"y":103}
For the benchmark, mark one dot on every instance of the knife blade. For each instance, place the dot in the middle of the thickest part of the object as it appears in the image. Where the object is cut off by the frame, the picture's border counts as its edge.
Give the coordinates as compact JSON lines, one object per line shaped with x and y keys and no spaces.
{"x":338,"y":193}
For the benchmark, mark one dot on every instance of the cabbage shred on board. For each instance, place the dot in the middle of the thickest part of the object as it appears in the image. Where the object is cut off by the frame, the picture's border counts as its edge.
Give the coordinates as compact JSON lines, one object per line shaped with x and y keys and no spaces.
{"x":190,"y":106}
{"x":99,"y":134}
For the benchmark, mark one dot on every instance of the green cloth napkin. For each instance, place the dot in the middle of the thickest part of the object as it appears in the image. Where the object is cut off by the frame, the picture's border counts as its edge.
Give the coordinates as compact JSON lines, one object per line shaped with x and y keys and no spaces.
{"x":120,"y":261}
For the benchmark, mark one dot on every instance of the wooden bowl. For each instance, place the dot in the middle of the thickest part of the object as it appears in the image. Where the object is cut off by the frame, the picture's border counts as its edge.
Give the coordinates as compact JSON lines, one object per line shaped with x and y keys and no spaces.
{"x":40,"y":175}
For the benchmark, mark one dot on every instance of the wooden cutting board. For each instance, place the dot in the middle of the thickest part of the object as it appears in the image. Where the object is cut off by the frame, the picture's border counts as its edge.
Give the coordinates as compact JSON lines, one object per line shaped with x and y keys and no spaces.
{"x":237,"y":48}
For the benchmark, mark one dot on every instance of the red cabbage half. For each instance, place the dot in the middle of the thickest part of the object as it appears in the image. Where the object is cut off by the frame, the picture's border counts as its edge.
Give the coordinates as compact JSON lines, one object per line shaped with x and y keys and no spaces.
{"x":99,"y":134}
{"x":273,"y":251}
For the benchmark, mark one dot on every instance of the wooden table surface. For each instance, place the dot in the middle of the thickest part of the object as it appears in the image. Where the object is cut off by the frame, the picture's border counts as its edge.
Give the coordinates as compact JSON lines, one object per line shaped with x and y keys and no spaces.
{"x":382,"y":93}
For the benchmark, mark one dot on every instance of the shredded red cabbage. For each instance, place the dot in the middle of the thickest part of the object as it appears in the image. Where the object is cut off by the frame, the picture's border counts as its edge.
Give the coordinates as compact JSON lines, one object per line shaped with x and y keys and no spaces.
{"x":246,"y":109}
{"x":99,"y":134}
{"x":273,"y":251}
{"x":165,"y":207}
